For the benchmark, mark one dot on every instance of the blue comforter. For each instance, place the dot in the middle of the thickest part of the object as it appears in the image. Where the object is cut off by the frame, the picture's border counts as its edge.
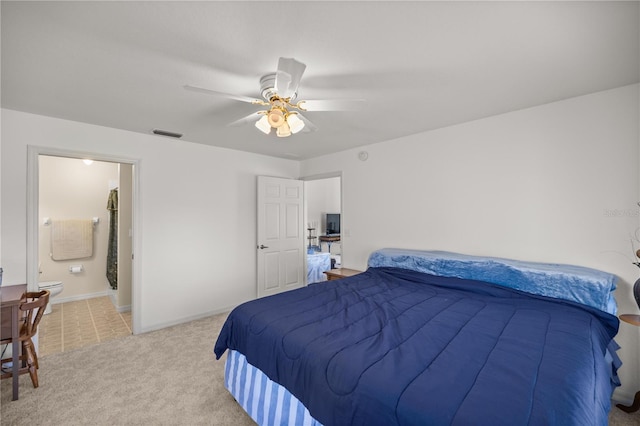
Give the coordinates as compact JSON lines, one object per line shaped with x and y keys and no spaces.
{"x":392,"y":346}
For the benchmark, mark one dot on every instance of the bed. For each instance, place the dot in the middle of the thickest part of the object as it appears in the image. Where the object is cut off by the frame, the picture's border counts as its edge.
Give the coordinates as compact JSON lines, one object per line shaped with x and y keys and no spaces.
{"x":317,"y":264}
{"x":429,"y":338}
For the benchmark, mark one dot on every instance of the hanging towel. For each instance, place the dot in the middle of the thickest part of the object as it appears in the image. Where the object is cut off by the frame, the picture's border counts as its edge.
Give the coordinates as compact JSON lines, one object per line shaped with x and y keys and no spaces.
{"x":71,"y":239}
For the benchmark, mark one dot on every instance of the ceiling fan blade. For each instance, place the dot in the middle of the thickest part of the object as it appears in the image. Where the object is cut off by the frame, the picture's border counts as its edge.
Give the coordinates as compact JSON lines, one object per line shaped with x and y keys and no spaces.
{"x":288,"y":76}
{"x":332,"y":104}
{"x":221,"y":94}
{"x":308,"y":125}
{"x":249,"y":119}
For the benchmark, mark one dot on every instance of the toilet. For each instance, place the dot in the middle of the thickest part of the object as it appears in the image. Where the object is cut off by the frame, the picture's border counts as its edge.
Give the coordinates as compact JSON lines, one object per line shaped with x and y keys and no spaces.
{"x":54,"y":287}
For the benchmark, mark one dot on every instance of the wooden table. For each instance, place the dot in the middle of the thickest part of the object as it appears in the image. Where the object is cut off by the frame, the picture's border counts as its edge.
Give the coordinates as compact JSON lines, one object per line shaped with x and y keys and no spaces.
{"x":328,"y":239}
{"x":635,"y":406}
{"x":631,"y":319}
{"x":336,"y":274}
{"x":10,"y":297}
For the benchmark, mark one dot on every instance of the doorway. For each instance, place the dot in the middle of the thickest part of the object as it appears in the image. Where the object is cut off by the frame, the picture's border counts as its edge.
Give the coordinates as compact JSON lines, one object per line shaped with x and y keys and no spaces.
{"x":95,"y":302}
{"x":126,"y":177}
{"x":280,"y":257}
{"x":312,"y":246}
{"x":323,"y":216}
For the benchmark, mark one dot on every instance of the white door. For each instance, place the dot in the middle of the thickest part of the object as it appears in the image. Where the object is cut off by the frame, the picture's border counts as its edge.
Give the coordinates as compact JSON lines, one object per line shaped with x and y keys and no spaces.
{"x":280,"y":242}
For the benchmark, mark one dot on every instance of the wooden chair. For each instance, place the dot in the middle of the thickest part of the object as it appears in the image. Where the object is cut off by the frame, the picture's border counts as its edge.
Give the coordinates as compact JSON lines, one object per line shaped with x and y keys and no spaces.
{"x":30,"y":314}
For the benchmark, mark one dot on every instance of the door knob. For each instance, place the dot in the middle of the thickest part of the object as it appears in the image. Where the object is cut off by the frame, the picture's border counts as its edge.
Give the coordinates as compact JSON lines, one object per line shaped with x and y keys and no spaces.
{"x":262,"y":246}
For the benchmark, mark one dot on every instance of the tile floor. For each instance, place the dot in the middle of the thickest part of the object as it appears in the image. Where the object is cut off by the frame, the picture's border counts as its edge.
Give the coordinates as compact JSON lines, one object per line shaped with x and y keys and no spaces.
{"x":72,"y":325}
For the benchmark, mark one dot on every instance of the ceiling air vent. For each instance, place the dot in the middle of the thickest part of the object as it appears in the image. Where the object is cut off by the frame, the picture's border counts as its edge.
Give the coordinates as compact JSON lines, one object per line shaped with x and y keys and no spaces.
{"x":167,"y":133}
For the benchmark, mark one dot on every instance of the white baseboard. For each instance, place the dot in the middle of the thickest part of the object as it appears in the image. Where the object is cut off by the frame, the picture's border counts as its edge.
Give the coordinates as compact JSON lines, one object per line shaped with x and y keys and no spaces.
{"x":57,"y":299}
{"x":119,"y":309}
{"x":187,"y":319}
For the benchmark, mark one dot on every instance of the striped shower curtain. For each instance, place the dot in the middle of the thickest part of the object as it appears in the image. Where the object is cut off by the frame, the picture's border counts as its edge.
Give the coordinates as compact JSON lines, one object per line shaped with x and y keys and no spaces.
{"x":112,"y":249}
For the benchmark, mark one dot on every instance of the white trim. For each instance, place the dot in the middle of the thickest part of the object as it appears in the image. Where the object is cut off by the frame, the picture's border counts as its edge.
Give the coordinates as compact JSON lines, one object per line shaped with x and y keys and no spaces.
{"x":343,"y":235}
{"x":57,"y":300}
{"x":33,"y":152}
{"x":189,"y":319}
{"x":33,"y":177}
{"x":119,"y":309}
{"x":321,"y":176}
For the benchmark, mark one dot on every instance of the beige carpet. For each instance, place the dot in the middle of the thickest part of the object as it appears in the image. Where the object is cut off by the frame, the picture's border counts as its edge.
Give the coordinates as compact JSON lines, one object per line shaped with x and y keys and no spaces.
{"x":167,"y":377}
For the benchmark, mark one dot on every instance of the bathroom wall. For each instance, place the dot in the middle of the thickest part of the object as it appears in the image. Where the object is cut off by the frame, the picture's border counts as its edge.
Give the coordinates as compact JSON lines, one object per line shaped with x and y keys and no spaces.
{"x":70,"y":189}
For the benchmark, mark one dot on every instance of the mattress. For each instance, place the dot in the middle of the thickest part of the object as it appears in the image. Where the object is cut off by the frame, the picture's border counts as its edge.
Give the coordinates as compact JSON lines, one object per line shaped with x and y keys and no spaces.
{"x":395,"y":346}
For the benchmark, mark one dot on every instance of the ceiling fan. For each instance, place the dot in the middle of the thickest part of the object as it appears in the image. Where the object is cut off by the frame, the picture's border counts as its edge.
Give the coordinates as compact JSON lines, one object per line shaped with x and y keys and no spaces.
{"x":279,"y":94}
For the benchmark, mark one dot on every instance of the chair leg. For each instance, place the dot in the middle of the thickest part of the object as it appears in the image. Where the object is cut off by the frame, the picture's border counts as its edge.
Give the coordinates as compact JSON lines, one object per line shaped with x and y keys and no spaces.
{"x":31,"y":358}
{"x":35,"y":354}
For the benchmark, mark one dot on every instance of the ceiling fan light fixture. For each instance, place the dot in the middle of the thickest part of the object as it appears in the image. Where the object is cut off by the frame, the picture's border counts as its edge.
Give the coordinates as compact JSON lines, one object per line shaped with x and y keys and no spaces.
{"x":278,"y":91}
{"x":283,"y":131}
{"x":295,"y":124}
{"x":263,"y":125}
{"x":276,"y":117}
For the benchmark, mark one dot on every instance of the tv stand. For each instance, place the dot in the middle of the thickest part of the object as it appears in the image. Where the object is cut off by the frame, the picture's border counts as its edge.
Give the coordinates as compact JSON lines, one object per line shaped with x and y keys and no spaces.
{"x":329,"y":239}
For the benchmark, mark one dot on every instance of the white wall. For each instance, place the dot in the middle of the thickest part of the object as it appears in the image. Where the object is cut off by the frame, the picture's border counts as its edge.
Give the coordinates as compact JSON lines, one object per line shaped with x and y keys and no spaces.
{"x":555,"y":183}
{"x":323,"y":196}
{"x":197,"y":213}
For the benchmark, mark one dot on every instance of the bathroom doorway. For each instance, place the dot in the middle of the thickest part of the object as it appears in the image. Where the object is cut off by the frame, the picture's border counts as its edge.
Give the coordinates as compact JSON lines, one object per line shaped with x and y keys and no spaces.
{"x":62,"y":186}
{"x":71,"y":188}
{"x":323,"y":200}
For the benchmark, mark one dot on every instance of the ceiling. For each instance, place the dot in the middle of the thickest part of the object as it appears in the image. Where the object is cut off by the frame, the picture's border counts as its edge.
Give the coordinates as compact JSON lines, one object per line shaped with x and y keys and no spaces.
{"x":419,"y":65}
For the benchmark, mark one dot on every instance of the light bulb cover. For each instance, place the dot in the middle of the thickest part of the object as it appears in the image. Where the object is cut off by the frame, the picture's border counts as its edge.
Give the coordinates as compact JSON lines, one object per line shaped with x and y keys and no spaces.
{"x":283,"y":131}
{"x":295,"y":124}
{"x":263,"y":125}
{"x":276,"y":118}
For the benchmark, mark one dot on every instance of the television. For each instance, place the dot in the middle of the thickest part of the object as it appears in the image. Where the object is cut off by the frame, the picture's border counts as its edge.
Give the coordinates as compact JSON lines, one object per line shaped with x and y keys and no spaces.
{"x":333,"y":223}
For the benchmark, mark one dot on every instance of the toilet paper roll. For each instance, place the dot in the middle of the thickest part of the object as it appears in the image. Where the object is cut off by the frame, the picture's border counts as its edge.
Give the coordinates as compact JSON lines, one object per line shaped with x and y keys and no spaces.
{"x":76,"y":269}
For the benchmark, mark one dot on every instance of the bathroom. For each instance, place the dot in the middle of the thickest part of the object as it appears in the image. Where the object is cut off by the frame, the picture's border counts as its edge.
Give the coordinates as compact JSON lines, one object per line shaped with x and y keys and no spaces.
{"x":71,"y":188}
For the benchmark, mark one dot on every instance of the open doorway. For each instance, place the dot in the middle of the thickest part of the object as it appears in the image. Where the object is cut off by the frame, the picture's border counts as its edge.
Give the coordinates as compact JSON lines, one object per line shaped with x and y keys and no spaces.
{"x":62,"y":187}
{"x":323,"y":216}
{"x":88,"y":273}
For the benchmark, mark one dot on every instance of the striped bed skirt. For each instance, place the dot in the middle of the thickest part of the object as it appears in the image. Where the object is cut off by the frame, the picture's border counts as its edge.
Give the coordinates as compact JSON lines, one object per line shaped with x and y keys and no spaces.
{"x":266,"y":402}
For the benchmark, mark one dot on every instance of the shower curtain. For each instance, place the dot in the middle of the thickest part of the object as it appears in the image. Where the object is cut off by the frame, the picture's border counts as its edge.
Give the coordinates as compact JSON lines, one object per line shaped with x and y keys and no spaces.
{"x":112,"y":249}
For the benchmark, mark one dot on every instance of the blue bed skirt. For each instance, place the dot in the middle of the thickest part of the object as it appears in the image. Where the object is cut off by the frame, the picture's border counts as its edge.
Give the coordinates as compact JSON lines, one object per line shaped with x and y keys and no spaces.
{"x":266,"y":402}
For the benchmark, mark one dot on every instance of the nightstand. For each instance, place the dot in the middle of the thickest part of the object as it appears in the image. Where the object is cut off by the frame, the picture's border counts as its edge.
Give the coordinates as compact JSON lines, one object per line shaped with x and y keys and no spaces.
{"x":635,"y":406}
{"x":336,"y":274}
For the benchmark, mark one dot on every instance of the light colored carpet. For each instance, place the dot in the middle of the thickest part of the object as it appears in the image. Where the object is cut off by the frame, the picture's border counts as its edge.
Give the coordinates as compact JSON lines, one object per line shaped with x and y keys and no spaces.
{"x":166,"y":377}
{"x":618,"y":417}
